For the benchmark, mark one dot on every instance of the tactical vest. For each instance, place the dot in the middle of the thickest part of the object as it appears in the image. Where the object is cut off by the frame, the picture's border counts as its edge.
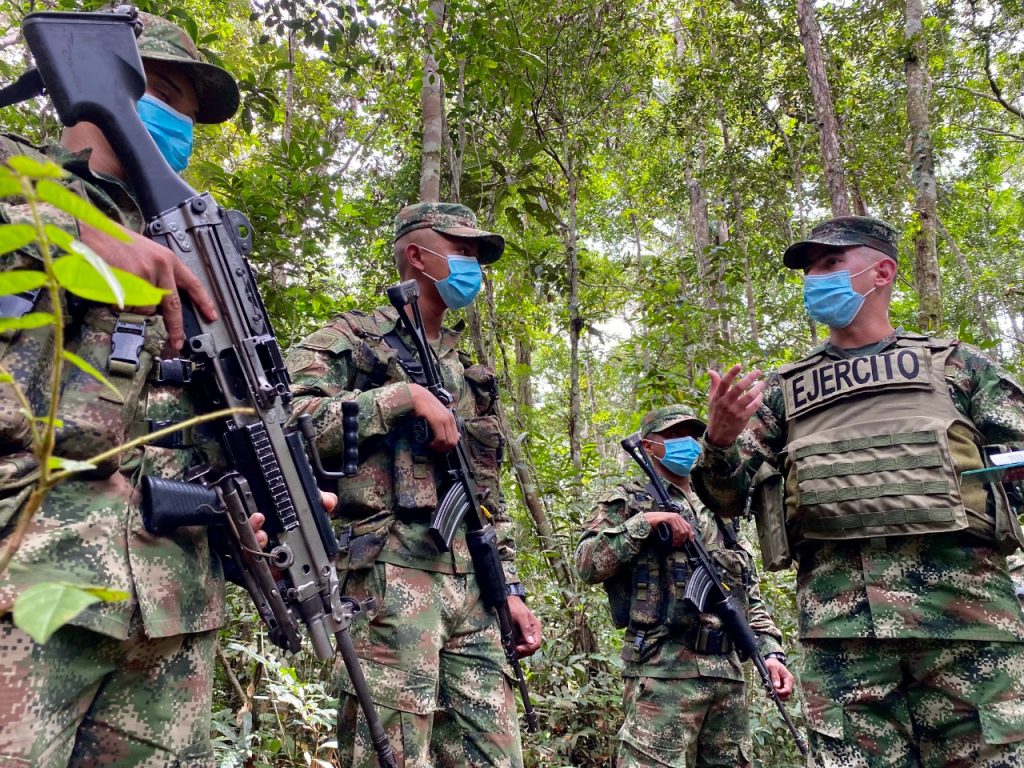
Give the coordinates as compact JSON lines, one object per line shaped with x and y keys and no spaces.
{"x":876,"y":448}
{"x":648,"y":596}
{"x":378,"y":361}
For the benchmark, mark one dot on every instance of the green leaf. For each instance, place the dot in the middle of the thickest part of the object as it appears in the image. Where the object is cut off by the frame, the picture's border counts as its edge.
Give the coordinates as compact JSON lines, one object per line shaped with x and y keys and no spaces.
{"x":25,"y":322}
{"x":26,"y":166}
{"x":106,"y":594}
{"x":59,"y":237}
{"x":69,"y":465}
{"x":20,"y":280}
{"x":78,"y":273}
{"x":15,"y":236}
{"x":57,"y":423}
{"x":88,"y":368}
{"x":10,"y":187}
{"x":63,"y":198}
{"x":42,"y":609}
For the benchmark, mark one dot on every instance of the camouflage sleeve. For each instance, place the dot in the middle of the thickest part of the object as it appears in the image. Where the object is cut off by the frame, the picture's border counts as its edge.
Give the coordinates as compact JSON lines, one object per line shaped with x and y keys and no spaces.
{"x":722,"y":475}
{"x":322,"y":379}
{"x":612,"y":537}
{"x":988,"y":395}
{"x":769,"y":638}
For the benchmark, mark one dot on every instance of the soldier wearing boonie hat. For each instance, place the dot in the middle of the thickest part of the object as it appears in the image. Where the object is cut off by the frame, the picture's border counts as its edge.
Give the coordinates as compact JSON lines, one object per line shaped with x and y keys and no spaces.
{"x":430,"y":650}
{"x":124,"y":682}
{"x":858,"y":460}
{"x":685,"y":696}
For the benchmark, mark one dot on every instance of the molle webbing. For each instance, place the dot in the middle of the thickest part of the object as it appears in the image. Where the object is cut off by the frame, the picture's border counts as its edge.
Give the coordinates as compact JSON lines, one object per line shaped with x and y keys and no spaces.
{"x":860,"y":520}
{"x":864,"y":443}
{"x":890,"y":464}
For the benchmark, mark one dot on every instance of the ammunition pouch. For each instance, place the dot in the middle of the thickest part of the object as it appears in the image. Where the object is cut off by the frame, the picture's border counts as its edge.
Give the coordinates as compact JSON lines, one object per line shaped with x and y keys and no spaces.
{"x":708,"y":641}
{"x":486,"y":449}
{"x":768,"y":504}
{"x":412,"y":471}
{"x":362,"y":542}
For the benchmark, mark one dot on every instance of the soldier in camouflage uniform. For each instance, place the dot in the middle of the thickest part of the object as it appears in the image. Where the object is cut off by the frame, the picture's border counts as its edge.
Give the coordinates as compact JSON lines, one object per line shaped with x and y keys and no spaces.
{"x":128,"y":682}
{"x":430,"y":651}
{"x":685,"y":694}
{"x":912,"y":634}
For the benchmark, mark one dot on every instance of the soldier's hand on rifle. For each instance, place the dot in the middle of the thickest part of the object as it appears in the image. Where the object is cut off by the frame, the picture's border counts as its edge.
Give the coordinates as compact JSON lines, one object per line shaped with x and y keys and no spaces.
{"x":682,"y":531}
{"x":732,"y":400}
{"x":440,"y":419}
{"x":782,"y":678}
{"x":158,"y":266}
{"x":528,"y":634}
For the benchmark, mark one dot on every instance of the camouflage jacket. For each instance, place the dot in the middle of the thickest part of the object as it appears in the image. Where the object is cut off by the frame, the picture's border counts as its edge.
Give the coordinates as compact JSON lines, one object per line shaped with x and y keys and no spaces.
{"x":389,"y":501}
{"x":940,"y":586}
{"x":615,"y":551}
{"x":89,"y":530}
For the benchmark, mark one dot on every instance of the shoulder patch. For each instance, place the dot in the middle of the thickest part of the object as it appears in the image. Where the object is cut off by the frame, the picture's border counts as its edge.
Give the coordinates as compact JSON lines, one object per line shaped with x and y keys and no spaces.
{"x":324,"y":340}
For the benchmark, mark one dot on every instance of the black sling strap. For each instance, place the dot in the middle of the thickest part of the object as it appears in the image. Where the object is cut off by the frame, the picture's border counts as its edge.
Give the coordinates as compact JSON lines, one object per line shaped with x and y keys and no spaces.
{"x":28,"y":86}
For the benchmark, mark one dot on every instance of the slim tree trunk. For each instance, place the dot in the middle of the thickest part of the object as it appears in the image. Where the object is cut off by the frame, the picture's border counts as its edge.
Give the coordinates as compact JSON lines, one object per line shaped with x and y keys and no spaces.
{"x":433,"y":110}
{"x":979,"y":307}
{"x":828,"y":127}
{"x":575,"y":326}
{"x":922,"y":167}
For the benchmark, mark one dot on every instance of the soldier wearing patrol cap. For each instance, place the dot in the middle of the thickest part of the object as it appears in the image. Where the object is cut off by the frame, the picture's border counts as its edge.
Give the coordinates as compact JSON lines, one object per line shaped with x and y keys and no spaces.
{"x":685,"y":695}
{"x":129,"y":682}
{"x":430,"y":650}
{"x":912,"y":635}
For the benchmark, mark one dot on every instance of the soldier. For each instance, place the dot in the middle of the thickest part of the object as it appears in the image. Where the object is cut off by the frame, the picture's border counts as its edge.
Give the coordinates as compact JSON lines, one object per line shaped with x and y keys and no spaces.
{"x":685,"y":696}
{"x":912,"y":635}
{"x":128,"y":682}
{"x":430,"y":647}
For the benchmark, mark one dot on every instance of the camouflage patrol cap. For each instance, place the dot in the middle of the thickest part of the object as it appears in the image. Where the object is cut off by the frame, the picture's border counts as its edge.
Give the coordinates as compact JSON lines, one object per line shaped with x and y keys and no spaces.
{"x":162,"y":40}
{"x":843,"y":232}
{"x":451,"y":220}
{"x":661,"y":419}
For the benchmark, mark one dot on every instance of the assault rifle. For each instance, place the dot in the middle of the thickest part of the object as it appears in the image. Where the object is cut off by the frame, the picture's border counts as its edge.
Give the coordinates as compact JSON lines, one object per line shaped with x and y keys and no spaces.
{"x":461,"y":500}
{"x":89,"y":65}
{"x":705,"y":589}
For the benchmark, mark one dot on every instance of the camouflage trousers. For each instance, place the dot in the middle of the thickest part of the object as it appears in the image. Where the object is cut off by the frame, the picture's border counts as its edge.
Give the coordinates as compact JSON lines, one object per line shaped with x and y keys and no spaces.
{"x":85,"y":699}
{"x":913,"y":703}
{"x":682,"y":723}
{"x":434,"y":664}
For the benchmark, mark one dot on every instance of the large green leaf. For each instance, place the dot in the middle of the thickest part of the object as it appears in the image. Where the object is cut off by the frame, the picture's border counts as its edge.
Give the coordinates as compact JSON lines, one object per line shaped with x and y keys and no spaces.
{"x":15,"y":236}
{"x":19,"y":280}
{"x":81,"y":275}
{"x":42,"y":609}
{"x":34,"y":169}
{"x":25,"y":322}
{"x":61,"y":197}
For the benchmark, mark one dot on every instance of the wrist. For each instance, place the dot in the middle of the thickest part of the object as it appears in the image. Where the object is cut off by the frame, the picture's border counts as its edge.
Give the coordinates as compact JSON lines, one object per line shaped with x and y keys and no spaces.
{"x":778,"y":655}
{"x":516,"y":589}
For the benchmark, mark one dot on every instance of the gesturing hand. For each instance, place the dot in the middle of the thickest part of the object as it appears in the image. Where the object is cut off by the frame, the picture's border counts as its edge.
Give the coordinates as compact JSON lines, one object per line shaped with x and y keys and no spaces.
{"x":732,"y":400}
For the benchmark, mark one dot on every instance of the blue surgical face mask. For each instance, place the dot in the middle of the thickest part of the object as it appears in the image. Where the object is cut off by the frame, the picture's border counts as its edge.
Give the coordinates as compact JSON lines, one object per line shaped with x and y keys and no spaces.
{"x":680,"y":455}
{"x":171,"y":130}
{"x":831,"y":299}
{"x":463,"y":282}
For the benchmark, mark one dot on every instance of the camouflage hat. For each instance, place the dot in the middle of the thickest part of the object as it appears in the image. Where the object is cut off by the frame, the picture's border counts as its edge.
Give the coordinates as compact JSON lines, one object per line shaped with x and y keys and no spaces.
{"x":842,"y":233}
{"x":162,"y":40}
{"x":451,"y":220}
{"x":661,"y":419}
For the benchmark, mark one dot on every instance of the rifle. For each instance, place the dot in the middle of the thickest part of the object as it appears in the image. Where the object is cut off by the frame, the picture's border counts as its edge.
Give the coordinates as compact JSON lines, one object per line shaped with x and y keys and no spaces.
{"x":462,"y":500}
{"x":705,"y":589}
{"x":89,"y":65}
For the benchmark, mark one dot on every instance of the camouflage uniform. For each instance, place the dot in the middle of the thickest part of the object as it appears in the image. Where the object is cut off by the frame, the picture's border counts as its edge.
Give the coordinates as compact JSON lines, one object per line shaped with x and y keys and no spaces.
{"x":913,"y":645}
{"x":128,"y":682}
{"x":683,"y":708}
{"x":430,"y":651}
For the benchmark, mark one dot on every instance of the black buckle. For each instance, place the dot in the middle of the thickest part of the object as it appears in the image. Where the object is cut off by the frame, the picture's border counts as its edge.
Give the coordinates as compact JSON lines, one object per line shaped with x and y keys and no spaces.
{"x":173,"y":440}
{"x":18,"y":304}
{"x":175,"y":372}
{"x":126,"y":342}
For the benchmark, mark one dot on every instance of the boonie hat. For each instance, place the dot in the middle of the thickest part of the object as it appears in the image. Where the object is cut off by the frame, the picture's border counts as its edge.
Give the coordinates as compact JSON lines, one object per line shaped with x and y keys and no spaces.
{"x":667,"y":416}
{"x":843,"y":232}
{"x":163,"y":40}
{"x":452,"y":220}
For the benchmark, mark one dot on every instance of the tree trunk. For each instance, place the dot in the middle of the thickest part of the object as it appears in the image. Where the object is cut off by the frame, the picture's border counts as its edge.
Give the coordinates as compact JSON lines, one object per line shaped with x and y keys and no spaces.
{"x":980,"y":313}
{"x":433,"y":110}
{"x":828,"y":128}
{"x":739,"y":234}
{"x":575,"y":327}
{"x":922,"y":167}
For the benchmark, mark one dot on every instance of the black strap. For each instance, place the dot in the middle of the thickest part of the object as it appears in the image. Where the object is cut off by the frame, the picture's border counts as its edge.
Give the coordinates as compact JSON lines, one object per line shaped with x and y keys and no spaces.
{"x":406,"y":357}
{"x":26,"y":87}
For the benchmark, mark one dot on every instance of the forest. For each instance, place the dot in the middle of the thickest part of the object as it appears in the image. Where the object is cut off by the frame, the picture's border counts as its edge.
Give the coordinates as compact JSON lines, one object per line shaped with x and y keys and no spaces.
{"x":648,"y":162}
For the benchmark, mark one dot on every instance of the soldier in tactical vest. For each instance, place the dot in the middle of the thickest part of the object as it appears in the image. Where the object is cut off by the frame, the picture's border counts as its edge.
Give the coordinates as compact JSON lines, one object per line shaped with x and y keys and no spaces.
{"x":912,"y":635}
{"x":685,"y":695}
{"x":127,"y":682}
{"x":430,"y":651}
